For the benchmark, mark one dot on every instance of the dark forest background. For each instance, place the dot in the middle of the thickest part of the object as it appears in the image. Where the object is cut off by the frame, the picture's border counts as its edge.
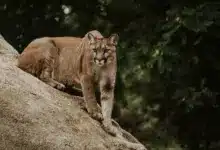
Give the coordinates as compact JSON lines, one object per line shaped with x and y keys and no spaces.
{"x":169,"y":60}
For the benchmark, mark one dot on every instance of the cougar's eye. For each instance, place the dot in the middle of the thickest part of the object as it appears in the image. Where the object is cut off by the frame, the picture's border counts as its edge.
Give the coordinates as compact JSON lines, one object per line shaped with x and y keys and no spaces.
{"x":106,"y":50}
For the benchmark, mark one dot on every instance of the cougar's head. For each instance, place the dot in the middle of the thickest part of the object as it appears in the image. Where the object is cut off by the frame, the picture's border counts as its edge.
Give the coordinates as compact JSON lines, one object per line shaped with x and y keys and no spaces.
{"x":103,"y":49}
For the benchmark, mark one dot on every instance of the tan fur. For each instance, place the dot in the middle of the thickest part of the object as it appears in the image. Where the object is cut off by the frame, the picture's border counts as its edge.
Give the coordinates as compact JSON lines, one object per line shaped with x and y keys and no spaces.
{"x":68,"y":61}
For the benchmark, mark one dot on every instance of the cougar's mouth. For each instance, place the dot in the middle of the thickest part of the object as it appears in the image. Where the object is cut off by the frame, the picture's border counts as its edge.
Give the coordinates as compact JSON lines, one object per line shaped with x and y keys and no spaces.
{"x":100,"y":62}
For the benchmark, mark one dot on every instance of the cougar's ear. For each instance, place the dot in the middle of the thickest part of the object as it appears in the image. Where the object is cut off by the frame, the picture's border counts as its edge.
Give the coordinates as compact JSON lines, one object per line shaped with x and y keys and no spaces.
{"x":91,"y":38}
{"x":113,"y":39}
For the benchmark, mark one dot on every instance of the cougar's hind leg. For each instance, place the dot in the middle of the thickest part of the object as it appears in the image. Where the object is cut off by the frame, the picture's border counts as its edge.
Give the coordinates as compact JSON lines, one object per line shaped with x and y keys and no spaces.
{"x":46,"y":76}
{"x":47,"y":70}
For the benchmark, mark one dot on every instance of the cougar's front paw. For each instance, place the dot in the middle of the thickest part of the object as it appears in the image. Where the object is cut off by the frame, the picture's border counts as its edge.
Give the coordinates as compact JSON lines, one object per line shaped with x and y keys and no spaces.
{"x":109,"y":128}
{"x":95,"y":114}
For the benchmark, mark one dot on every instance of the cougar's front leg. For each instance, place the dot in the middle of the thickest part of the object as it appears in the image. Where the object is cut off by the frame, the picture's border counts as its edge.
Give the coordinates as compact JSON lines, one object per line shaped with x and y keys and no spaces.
{"x":89,"y":96}
{"x":107,"y":101}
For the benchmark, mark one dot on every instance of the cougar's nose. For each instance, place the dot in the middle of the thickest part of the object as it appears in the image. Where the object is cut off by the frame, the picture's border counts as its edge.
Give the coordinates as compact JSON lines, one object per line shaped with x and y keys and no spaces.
{"x":99,"y":57}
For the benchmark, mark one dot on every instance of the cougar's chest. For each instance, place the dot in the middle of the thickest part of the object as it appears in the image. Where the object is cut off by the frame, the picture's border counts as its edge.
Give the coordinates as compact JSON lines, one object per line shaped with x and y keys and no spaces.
{"x":96,"y":74}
